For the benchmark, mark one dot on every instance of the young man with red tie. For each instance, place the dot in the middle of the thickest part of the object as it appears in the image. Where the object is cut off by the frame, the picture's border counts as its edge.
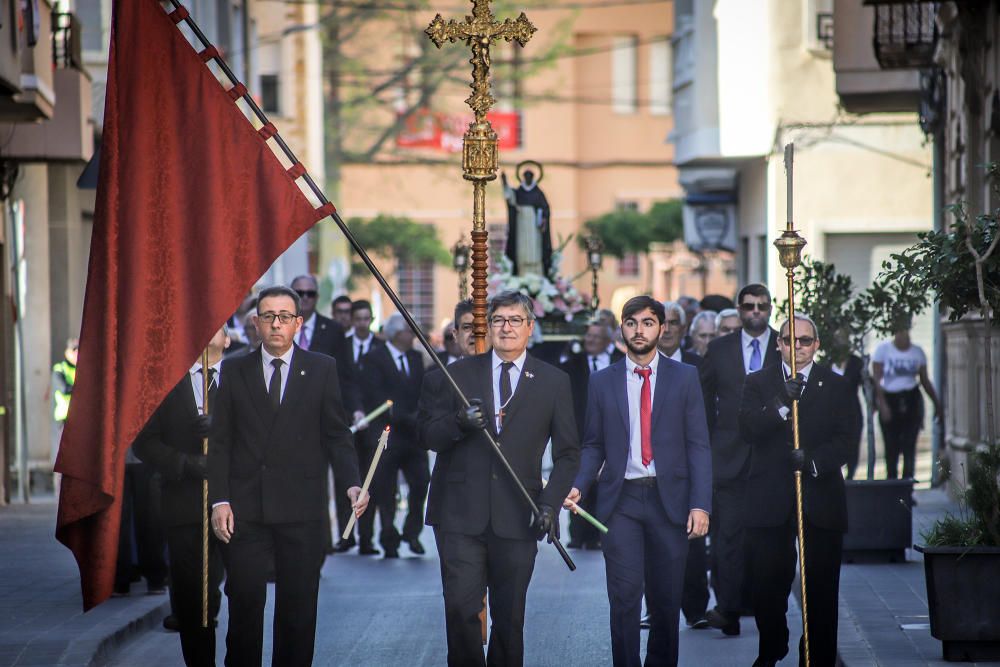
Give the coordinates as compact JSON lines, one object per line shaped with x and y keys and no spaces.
{"x":646,"y":435}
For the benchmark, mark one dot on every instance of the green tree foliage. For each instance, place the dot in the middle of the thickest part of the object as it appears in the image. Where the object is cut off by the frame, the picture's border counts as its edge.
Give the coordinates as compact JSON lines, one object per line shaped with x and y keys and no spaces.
{"x":399,"y":238}
{"x":828,"y":298}
{"x":623,"y":232}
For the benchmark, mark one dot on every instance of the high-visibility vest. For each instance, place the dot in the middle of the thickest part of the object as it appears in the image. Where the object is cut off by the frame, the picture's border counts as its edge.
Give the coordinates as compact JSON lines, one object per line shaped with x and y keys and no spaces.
{"x":67,"y":371}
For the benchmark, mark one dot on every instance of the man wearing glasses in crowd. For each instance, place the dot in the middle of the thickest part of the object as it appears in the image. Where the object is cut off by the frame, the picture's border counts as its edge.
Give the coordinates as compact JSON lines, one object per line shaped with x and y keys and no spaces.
{"x":729,"y":360}
{"x":483,"y":526}
{"x":278,"y":423}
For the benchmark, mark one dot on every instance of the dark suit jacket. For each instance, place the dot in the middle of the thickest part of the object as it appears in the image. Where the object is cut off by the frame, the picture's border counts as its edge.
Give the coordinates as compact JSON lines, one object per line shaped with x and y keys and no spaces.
{"x":272,"y":467}
{"x":329,"y":339}
{"x":382,"y":380}
{"x":824,"y":434}
{"x":578,"y":368}
{"x":680,"y":440}
{"x":164,"y":440}
{"x":722,"y":377}
{"x":469,"y":486}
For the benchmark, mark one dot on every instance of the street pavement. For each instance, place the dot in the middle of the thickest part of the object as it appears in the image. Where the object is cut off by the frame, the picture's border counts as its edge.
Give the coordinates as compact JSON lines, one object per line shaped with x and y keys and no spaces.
{"x":378,"y":612}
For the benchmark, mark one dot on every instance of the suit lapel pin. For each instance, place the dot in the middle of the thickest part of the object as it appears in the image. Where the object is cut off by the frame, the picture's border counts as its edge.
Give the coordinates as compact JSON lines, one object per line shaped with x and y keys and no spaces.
{"x":529,"y":374}
{"x":819,"y":384}
{"x":302,"y":372}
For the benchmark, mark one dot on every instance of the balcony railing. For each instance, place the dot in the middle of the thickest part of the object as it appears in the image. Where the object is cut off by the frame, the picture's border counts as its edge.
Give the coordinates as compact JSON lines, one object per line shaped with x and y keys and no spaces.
{"x":66,"y":45}
{"x":905,"y":33}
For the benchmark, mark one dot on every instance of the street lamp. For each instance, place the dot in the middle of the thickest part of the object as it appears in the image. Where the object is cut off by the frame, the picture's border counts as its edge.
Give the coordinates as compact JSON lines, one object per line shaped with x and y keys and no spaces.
{"x":460,"y":261}
{"x":594,"y":257}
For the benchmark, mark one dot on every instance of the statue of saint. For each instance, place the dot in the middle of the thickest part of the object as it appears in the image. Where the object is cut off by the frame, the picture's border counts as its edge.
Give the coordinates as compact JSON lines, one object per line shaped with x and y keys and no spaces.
{"x":529,"y":239}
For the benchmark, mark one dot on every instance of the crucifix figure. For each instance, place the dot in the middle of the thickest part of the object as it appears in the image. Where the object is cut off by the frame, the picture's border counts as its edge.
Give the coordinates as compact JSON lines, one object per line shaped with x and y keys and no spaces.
{"x":479,"y":145}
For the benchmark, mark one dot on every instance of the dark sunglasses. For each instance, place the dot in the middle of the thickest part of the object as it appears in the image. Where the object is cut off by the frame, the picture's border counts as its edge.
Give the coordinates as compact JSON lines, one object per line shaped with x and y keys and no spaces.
{"x":800,"y":341}
{"x":306,"y":293}
{"x":750,"y":307}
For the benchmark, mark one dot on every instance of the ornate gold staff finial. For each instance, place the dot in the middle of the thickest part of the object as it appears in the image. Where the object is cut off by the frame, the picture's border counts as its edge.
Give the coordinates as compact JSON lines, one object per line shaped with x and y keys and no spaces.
{"x":790,"y":246}
{"x":479,"y":144}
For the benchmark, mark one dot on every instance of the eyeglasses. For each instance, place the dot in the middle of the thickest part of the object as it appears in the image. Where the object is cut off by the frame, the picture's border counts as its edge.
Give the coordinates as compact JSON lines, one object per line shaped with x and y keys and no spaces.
{"x":306,"y":293}
{"x":515,"y":322}
{"x":800,"y":341}
{"x":283,"y":317}
{"x":449,"y":338}
{"x":750,"y":307}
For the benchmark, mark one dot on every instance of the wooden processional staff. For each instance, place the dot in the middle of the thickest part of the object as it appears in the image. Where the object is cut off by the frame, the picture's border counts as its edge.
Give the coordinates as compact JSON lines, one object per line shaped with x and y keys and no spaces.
{"x":789,"y":246}
{"x":480,"y":153}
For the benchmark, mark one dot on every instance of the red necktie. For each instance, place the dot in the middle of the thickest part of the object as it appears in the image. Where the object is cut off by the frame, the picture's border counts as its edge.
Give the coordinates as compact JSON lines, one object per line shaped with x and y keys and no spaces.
{"x":645,"y":415}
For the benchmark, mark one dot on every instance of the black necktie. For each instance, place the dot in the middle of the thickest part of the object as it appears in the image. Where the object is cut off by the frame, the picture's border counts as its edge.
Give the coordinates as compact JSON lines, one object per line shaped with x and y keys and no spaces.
{"x":274,"y":386}
{"x":505,"y":390}
{"x":361,"y":350}
{"x":402,"y":365}
{"x":593,"y":363}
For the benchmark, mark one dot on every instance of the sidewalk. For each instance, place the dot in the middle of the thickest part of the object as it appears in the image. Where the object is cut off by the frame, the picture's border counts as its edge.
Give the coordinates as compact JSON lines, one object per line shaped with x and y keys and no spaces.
{"x":883,"y":607}
{"x":41,"y":611}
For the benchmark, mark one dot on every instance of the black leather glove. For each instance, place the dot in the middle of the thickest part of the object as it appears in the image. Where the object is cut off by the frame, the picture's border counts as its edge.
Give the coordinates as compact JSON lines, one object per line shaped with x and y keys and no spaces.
{"x":798,"y":459}
{"x":202,"y":425}
{"x":196,"y":466}
{"x":547,"y":524}
{"x":471,"y":418}
{"x":794,"y":387}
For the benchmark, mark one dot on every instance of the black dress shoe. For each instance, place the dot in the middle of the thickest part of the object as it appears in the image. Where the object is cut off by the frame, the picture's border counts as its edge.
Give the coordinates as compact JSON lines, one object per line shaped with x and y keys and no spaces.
{"x":416,"y":547}
{"x":698,"y":624}
{"x":761,"y":662}
{"x":344,"y":545}
{"x":367,"y":550}
{"x":391,"y":552}
{"x":730,"y":625}
{"x":574,"y":544}
{"x":592,"y":546}
{"x":644,"y":622}
{"x":171,"y":624}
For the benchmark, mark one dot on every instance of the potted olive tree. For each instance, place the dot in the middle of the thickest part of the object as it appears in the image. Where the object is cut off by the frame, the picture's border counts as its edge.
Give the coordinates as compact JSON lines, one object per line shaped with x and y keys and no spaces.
{"x":962,"y":552}
{"x":879,"y":521}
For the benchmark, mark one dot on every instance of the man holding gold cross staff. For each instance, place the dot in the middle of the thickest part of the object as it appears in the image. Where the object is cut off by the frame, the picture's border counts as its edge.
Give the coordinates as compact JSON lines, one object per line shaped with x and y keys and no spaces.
{"x":796,"y":417}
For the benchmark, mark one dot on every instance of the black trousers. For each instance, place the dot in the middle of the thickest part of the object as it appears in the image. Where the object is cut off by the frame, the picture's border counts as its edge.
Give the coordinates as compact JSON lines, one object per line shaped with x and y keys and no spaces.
{"x":471,"y":564}
{"x":772,"y":558}
{"x":412,"y":462}
{"x":141,"y":527}
{"x":694,"y":599}
{"x":296,"y":549}
{"x":727,"y":545}
{"x":184,"y":544}
{"x":901,"y":431}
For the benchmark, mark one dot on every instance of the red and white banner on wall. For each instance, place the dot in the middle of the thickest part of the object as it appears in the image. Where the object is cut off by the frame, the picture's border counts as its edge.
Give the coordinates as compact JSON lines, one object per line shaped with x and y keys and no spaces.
{"x":443,"y":131}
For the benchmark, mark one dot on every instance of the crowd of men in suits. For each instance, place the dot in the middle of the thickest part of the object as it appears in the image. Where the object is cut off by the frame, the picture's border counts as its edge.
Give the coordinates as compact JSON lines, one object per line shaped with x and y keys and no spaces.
{"x":671,"y":426}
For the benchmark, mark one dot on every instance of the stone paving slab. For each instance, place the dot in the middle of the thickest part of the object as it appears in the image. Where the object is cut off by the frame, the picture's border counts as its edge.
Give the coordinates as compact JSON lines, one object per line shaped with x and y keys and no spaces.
{"x":41,"y":608}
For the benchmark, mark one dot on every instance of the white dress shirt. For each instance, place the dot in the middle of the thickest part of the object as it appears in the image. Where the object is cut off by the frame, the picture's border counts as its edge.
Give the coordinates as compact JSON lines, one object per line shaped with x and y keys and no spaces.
{"x":764,"y":338}
{"x":309,"y":327}
{"x":396,"y":354}
{"x":633,"y":388}
{"x":603,"y":361}
{"x":515,"y":375}
{"x":197,"y":383}
{"x":358,"y":345}
{"x":267,"y":357}
{"x":676,"y":356}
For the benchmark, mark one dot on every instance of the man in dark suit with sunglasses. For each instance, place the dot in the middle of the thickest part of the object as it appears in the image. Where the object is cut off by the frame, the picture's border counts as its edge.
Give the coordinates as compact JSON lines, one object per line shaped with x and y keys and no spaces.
{"x":729,"y":360}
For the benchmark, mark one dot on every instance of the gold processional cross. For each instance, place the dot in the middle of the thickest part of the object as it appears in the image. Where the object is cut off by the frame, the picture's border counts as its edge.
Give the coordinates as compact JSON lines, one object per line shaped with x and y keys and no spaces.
{"x":479,"y":144}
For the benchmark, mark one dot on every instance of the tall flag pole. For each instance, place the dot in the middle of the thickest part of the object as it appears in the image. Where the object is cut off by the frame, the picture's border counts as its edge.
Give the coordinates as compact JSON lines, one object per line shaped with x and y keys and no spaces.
{"x":480,"y":153}
{"x":789,"y":246}
{"x":192,"y":208}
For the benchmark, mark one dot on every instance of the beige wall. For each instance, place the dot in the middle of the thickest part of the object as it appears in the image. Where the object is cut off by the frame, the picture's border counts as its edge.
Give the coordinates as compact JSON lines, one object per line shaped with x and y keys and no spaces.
{"x":593,"y":158}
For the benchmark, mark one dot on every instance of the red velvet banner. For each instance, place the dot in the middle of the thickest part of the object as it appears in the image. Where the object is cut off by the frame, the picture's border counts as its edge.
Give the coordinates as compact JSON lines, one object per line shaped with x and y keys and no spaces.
{"x":192,"y":208}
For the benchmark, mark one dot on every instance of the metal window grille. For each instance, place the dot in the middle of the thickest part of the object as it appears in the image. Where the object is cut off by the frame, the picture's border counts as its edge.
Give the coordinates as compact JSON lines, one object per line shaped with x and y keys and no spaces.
{"x":66,"y":45}
{"x":905,"y":34}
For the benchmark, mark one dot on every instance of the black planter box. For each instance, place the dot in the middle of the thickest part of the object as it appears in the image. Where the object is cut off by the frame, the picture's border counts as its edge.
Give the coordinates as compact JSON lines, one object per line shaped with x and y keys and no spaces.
{"x":963,"y":599}
{"x":879,"y":520}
